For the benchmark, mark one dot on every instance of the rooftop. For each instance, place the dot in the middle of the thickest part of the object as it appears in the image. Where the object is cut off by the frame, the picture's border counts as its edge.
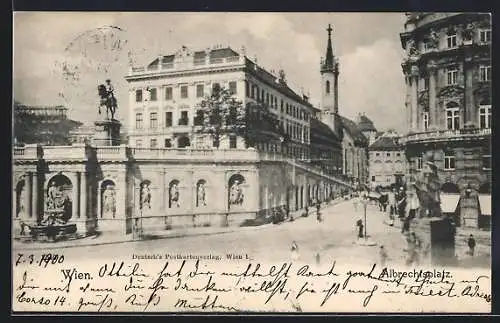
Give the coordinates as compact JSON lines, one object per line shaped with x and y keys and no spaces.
{"x":353,"y":129}
{"x":226,"y":56}
{"x":386,"y":142}
{"x":365,"y":124}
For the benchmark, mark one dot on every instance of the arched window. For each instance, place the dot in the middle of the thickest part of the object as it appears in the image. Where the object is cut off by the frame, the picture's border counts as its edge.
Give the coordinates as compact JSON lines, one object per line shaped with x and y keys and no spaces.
{"x":327,"y":87}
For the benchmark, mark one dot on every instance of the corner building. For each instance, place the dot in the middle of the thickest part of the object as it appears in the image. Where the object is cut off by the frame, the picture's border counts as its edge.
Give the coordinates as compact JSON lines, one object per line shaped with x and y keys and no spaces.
{"x":448,"y":107}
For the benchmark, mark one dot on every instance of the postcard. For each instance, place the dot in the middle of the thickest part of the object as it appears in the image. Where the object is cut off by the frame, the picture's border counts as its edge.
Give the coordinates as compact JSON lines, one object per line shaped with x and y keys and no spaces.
{"x":251,"y":162}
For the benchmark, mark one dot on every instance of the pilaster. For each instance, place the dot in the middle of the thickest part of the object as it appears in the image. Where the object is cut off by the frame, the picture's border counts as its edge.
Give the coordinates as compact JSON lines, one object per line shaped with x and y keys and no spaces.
{"x":433,"y":113}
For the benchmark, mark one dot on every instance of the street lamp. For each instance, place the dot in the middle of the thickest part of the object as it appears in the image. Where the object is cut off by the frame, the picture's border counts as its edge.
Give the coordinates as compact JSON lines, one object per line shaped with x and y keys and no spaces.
{"x":366,"y":242}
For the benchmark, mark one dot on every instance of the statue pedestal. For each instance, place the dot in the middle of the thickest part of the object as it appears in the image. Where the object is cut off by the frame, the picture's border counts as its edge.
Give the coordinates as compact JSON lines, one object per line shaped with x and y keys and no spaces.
{"x":107,"y":133}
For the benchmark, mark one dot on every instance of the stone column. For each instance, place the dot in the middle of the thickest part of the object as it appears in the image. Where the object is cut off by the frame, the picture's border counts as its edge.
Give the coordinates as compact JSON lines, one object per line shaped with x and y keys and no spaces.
{"x":14,"y":200}
{"x":414,"y":96}
{"x":469,"y":107}
{"x":83,"y":195}
{"x":121,"y":202}
{"x":408,"y":101}
{"x":433,"y":113}
{"x":34,"y":196}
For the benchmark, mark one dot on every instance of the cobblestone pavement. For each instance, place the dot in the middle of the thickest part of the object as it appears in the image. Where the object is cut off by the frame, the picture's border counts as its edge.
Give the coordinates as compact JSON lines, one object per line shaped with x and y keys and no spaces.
{"x":334,"y":238}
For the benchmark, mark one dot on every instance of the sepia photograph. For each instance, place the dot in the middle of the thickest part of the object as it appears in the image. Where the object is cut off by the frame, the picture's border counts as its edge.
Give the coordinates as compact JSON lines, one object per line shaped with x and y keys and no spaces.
{"x":249,"y":162}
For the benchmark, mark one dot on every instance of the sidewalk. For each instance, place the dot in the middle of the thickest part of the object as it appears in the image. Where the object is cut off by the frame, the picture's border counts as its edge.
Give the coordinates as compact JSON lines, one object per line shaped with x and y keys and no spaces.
{"x":105,"y":238}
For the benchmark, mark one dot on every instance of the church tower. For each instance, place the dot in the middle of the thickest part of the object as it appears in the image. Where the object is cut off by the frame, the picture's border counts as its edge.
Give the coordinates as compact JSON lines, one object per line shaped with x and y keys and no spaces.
{"x":329,"y":87}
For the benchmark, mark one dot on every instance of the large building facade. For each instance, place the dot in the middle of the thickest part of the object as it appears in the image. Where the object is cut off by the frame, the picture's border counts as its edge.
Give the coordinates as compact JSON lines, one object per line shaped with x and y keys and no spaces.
{"x":448,"y":103}
{"x":387,"y":161}
{"x":165,"y":95}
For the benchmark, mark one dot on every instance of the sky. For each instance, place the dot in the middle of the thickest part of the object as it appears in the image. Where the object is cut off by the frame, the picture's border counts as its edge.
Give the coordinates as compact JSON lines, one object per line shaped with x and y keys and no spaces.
{"x":61,"y":57}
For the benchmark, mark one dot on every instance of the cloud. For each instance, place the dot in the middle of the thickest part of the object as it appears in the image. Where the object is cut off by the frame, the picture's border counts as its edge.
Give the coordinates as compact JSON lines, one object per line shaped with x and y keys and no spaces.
{"x":371,"y":82}
{"x":370,"y":72}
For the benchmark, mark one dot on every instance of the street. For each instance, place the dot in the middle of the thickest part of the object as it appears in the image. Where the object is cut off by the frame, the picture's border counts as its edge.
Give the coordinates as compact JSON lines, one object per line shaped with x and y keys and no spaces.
{"x":334,"y":238}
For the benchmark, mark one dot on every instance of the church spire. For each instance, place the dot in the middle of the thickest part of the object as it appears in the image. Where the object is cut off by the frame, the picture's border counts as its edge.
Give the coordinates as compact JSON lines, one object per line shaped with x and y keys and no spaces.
{"x":329,"y":63}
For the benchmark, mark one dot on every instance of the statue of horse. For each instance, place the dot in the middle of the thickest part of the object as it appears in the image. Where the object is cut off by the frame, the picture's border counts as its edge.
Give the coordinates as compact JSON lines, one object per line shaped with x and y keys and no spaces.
{"x":108,"y":100}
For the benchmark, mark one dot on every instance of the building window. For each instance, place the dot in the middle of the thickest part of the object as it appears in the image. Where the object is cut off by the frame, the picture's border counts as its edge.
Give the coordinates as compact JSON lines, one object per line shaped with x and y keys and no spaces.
{"x":420,"y":162}
{"x":327,"y":87}
{"x":138,"y":96}
{"x":153,"y":120}
{"x":452,"y":116}
{"x":449,"y":161}
{"x":138,"y":120}
{"x":388,"y":154}
{"x":138,"y":143}
{"x":257,"y":94}
{"x":232,"y":142}
{"x":487,"y":162}
{"x":425,"y":119}
{"x":183,"y":121}
{"x":485,"y":116}
{"x":153,"y":95}
{"x":200,"y":90}
{"x":267,"y":98}
{"x":168,"y":93}
{"x":373,"y":178}
{"x":451,"y":76}
{"x":184,"y":92}
{"x":398,"y":154}
{"x":153,"y":143}
{"x":168,"y":143}
{"x":485,"y":35}
{"x":451,"y":41}
{"x":168,"y":119}
{"x":377,"y":154}
{"x":232,"y":88}
{"x":262,"y":95}
{"x":281,"y":105}
{"x":485,"y":73}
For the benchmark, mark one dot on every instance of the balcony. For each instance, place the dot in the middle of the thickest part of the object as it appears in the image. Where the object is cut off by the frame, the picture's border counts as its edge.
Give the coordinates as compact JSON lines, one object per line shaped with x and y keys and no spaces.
{"x":446,"y":135}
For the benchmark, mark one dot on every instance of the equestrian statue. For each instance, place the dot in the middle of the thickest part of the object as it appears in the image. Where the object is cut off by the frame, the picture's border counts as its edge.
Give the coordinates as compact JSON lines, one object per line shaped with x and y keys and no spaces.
{"x":108,"y":99}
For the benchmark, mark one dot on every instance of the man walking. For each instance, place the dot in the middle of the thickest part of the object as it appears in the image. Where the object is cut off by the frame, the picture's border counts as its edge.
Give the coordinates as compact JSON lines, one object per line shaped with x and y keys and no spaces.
{"x":471,"y":242}
{"x":391,"y":200}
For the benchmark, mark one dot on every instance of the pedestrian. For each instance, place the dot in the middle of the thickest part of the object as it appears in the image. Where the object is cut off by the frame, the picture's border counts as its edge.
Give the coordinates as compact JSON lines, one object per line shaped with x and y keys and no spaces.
{"x":391,"y":199}
{"x":295,"y":251}
{"x":318,"y":259}
{"x":413,"y":249}
{"x":413,"y":205}
{"x":318,"y":213}
{"x":383,"y":256}
{"x":355,"y":202}
{"x":406,"y":225}
{"x":360,"y":226}
{"x":401,"y":203}
{"x":416,"y":241}
{"x":471,"y":242}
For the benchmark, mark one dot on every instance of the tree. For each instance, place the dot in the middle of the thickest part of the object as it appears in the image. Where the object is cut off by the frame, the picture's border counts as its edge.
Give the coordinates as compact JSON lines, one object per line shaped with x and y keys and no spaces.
{"x":221,"y":113}
{"x":262,"y":125}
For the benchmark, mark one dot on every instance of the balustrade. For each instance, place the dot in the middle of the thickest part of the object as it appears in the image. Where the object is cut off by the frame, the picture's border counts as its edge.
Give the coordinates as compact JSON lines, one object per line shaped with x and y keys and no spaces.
{"x":447,"y":134}
{"x":194,"y":63}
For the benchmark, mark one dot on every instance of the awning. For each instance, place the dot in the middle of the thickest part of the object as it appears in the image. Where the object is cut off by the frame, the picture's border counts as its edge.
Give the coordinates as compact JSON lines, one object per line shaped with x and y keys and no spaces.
{"x":485,"y":204}
{"x":449,"y":202}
